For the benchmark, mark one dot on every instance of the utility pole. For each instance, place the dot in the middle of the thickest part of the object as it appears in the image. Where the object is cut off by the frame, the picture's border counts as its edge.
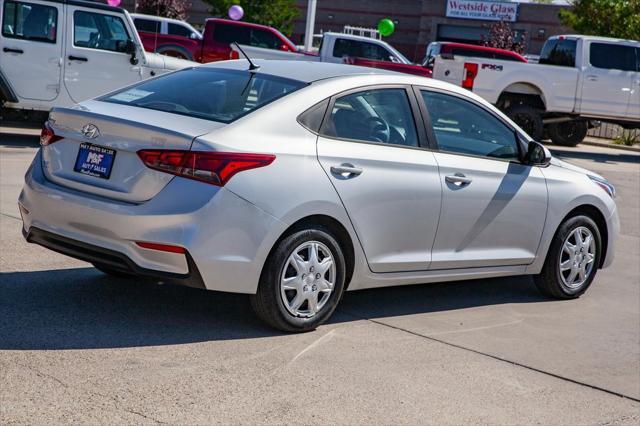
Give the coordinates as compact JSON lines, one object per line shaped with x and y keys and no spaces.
{"x":311,"y":21}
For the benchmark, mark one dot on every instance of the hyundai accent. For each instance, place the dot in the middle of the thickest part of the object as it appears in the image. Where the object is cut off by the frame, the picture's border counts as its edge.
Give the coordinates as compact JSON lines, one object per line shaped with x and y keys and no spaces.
{"x":293,"y":182}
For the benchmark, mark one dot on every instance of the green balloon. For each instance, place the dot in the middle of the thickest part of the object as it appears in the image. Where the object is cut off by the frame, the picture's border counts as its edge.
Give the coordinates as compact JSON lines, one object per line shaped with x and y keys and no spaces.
{"x":386,"y":27}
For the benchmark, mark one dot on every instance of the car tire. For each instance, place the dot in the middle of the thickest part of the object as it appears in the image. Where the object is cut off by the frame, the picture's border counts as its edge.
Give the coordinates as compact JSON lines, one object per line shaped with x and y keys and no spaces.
{"x":113,"y":272}
{"x":568,"y":133}
{"x":528,"y":118}
{"x":275,"y":302}
{"x":555,"y":280}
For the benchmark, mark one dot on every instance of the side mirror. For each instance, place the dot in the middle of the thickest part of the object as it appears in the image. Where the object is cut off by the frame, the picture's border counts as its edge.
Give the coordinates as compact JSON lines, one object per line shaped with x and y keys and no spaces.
{"x":128,"y":47}
{"x":537,"y":155}
{"x":194,"y":36}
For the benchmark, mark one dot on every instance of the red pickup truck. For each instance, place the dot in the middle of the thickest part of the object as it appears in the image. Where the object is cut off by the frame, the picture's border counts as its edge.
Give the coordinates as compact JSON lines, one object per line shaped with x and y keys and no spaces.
{"x":216,"y":39}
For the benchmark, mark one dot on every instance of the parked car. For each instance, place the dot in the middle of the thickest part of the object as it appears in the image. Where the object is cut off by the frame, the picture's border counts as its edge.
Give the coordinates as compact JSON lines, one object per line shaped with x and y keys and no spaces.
{"x":450,"y":49}
{"x":58,"y":53}
{"x":157,"y":33}
{"x":345,"y":48}
{"x":294,"y":181}
{"x":578,"y":79}
{"x":214,"y":44}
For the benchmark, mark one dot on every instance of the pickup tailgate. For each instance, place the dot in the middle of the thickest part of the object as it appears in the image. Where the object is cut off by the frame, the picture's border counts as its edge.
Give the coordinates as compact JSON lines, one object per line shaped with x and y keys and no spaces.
{"x":97,"y":152}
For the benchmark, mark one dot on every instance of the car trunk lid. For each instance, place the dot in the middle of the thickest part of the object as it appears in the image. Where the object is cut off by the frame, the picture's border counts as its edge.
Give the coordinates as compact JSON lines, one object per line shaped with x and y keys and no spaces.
{"x":97,"y":152}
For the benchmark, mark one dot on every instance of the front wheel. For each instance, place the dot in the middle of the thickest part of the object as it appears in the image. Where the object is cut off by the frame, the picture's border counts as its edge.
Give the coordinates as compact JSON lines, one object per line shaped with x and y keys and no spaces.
{"x":572,"y":260}
{"x":302,"y":281}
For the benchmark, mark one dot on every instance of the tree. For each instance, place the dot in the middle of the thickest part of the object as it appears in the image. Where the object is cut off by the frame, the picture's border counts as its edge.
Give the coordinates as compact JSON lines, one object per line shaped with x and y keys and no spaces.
{"x":609,"y":18}
{"x":274,"y":13}
{"x":501,"y":36}
{"x":176,"y":9}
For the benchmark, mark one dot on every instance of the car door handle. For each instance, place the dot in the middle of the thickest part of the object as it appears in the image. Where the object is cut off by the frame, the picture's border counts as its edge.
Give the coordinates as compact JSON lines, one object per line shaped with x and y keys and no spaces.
{"x":592,"y":77}
{"x":346,"y":169}
{"x":77,"y":58}
{"x":10,"y":50}
{"x":458,"y":179}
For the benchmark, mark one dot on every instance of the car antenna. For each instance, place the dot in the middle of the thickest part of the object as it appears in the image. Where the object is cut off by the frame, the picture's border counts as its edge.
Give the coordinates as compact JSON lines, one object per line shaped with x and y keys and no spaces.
{"x":252,"y":66}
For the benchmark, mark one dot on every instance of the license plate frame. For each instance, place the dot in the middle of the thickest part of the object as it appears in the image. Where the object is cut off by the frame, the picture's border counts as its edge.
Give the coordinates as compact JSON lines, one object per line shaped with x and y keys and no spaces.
{"x":95,"y":160}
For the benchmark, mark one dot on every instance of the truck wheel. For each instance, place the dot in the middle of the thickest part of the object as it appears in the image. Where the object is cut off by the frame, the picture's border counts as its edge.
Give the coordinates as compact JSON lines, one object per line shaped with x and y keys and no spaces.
{"x":175,"y":52}
{"x":528,"y":118}
{"x":569,"y":133}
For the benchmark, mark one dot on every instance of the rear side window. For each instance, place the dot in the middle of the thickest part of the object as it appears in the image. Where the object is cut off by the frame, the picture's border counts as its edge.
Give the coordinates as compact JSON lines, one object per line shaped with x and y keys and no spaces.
{"x":227,"y":34}
{"x":560,"y":52}
{"x":179,"y":30}
{"x":462,"y":127}
{"x":147,"y":25}
{"x":223,"y":95}
{"x":612,"y":56}
{"x":380,"y":115}
{"x":98,"y":31}
{"x":29,"y":21}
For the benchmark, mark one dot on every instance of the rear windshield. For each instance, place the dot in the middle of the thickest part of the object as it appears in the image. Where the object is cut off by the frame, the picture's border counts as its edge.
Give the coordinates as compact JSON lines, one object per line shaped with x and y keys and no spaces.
{"x":208,"y":93}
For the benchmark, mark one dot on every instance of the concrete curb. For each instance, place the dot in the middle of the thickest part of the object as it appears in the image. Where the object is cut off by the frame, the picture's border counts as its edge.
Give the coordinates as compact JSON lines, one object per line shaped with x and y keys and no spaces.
{"x":592,"y":142}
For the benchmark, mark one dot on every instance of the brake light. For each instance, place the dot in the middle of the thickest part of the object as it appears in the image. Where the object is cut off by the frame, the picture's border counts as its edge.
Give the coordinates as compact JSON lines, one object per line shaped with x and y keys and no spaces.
{"x":47,"y":136}
{"x":234,"y":54}
{"x":160,"y":247}
{"x":215,"y":168}
{"x":470,"y":73}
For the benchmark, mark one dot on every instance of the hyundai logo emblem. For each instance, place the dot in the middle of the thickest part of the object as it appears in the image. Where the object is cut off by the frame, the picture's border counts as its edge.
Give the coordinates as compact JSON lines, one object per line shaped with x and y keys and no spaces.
{"x":90,"y":131}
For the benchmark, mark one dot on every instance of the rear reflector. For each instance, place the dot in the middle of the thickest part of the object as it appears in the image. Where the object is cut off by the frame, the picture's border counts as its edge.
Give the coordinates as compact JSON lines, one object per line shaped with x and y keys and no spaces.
{"x":160,"y":247}
{"x":215,"y":168}
{"x":47,"y":137}
{"x":470,"y":73}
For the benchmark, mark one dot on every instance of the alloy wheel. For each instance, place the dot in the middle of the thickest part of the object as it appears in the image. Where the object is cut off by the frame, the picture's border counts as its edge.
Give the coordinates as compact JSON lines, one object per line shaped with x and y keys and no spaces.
{"x":577,"y":257}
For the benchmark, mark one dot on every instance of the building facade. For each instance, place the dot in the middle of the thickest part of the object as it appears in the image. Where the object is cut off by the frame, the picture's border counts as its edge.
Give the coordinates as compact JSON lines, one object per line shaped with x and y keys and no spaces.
{"x":419,"y":22}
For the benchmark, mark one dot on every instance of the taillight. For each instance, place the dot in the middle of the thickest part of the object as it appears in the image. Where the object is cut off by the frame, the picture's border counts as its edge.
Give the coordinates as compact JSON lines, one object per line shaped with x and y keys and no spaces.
{"x":215,"y":168}
{"x":470,"y":73}
{"x":234,"y":54}
{"x":160,"y":247}
{"x":47,"y":136}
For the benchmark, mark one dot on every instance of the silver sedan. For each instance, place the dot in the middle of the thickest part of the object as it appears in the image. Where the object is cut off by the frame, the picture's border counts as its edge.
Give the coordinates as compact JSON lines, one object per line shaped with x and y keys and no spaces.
{"x":294,"y":182}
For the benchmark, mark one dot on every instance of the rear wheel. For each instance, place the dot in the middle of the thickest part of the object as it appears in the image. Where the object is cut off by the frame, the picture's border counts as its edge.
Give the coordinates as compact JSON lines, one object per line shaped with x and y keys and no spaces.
{"x":572,"y":260}
{"x":528,"y":118}
{"x":568,"y":133}
{"x":302,"y":281}
{"x":175,"y":52}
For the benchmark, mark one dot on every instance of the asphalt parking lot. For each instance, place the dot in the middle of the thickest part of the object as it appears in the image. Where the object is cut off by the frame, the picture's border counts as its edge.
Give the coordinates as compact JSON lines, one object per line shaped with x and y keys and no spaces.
{"x":79,"y":346}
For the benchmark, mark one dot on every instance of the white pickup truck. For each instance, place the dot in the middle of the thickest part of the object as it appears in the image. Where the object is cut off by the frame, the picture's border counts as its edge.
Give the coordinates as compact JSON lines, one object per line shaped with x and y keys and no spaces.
{"x":579,"y":79}
{"x":335,"y":47}
{"x":61,"y":52}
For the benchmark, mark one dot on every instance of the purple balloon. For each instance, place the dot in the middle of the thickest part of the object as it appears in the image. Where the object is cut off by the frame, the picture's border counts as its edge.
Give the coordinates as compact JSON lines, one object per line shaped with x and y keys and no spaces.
{"x":236,"y":12}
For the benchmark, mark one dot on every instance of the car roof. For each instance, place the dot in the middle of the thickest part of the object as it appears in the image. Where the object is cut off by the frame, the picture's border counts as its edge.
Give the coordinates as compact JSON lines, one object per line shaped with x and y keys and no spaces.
{"x":157,"y":18}
{"x":305,"y":71}
{"x":593,"y":38}
{"x":479,"y":48}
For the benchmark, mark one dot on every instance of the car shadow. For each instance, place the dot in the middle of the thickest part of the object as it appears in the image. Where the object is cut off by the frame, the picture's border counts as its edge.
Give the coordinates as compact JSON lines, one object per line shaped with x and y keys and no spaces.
{"x":85,"y":309}
{"x":19,"y":141}
{"x":598,"y":157}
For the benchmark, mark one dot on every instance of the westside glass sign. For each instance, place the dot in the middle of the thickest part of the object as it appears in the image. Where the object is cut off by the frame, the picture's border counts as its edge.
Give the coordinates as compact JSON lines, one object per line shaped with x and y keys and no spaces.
{"x":483,"y":10}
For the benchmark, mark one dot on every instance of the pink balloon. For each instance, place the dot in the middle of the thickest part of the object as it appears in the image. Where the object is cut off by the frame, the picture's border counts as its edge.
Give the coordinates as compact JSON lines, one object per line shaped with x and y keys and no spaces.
{"x":114,"y":3}
{"x":236,"y":12}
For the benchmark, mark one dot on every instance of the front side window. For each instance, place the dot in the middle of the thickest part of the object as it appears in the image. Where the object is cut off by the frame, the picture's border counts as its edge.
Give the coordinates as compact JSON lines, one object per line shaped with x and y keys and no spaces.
{"x":380,"y":115}
{"x":462,"y":127}
{"x":147,"y":25}
{"x":222,"y":95}
{"x":265,"y":39}
{"x":612,"y":57}
{"x":179,"y":30}
{"x":29,"y":21}
{"x":98,"y":31}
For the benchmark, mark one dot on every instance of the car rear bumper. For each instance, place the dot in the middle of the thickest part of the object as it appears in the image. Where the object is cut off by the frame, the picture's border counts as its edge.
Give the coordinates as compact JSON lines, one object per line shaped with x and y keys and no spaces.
{"x":226,"y":238}
{"x":111,"y":259}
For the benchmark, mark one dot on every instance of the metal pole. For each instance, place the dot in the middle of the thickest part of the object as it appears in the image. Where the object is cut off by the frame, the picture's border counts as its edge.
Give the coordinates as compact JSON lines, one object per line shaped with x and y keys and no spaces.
{"x":311,"y":21}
